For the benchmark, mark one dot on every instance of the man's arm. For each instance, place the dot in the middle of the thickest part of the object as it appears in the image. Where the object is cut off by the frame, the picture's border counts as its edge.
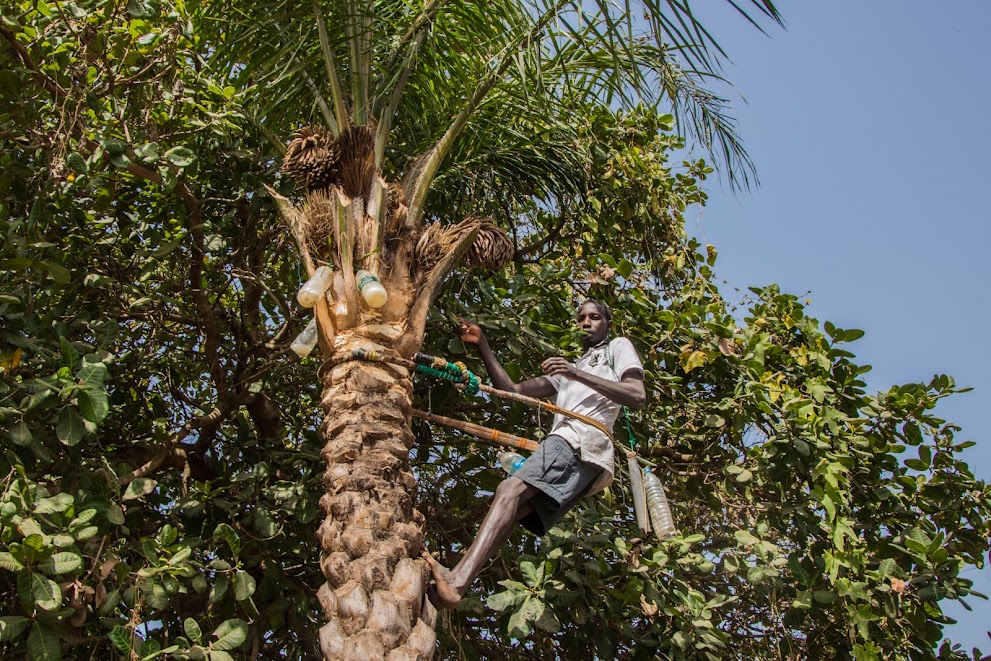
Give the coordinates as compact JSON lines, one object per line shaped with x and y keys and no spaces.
{"x":539,"y":387}
{"x":628,"y":391}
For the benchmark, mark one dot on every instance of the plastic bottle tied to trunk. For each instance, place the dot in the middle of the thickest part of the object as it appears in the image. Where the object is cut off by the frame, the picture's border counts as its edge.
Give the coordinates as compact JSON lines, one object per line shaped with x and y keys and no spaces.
{"x":511,"y":461}
{"x":305,"y":341}
{"x":371,"y":289}
{"x":340,"y":306}
{"x":315,"y":287}
{"x":657,"y":505}
{"x":639,"y":497}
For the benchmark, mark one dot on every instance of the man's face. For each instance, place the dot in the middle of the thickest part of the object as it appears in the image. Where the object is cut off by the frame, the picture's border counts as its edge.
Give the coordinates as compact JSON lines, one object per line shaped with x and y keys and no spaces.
{"x":593,"y":324}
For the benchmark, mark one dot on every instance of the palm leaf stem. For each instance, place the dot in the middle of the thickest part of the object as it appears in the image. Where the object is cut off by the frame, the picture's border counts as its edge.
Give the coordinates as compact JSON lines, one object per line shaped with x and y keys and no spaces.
{"x":337,"y":97}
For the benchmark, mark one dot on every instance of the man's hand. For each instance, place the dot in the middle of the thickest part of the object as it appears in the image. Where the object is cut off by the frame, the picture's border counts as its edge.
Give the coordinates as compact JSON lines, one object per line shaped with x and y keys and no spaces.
{"x":558,"y":366}
{"x":470,"y":333}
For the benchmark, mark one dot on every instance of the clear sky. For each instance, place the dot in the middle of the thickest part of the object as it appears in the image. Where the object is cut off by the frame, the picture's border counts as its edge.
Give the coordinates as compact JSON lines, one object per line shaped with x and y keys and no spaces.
{"x":869,"y":126}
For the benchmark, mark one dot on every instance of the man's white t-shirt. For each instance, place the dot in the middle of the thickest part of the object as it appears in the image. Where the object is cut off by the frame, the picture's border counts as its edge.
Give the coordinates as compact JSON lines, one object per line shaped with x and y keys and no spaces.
{"x":607,"y":361}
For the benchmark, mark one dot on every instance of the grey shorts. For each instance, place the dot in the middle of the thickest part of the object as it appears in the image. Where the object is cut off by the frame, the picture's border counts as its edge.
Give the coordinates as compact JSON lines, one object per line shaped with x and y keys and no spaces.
{"x":557,"y":470}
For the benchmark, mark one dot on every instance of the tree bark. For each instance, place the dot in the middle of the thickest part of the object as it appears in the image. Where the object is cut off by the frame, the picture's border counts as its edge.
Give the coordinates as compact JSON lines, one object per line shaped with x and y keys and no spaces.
{"x":371,"y":535}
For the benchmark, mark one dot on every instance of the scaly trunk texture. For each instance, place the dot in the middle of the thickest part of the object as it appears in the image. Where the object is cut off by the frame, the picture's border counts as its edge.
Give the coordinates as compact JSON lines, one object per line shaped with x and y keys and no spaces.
{"x":371,"y":536}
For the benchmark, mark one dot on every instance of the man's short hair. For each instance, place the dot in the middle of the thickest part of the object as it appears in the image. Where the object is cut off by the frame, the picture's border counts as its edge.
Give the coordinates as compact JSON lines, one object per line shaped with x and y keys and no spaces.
{"x":603,"y":308}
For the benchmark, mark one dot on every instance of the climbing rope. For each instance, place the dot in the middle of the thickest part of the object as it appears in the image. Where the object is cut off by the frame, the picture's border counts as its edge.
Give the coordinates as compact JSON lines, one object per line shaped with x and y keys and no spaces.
{"x":459,"y":374}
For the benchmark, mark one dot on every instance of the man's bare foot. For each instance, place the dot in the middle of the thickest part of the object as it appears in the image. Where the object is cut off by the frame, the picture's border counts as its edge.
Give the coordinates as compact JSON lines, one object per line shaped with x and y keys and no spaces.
{"x":443,"y":592}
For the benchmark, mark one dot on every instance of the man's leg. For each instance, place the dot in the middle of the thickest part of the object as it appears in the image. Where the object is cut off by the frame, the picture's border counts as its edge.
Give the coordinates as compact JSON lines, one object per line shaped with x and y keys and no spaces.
{"x":508,"y":507}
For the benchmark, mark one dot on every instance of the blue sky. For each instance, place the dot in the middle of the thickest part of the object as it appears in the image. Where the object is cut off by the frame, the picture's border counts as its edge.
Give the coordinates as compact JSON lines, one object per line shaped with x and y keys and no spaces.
{"x":868,"y":124}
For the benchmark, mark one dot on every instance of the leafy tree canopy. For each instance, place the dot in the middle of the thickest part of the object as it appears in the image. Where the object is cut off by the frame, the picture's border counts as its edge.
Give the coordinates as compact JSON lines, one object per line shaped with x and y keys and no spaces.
{"x":160,"y":475}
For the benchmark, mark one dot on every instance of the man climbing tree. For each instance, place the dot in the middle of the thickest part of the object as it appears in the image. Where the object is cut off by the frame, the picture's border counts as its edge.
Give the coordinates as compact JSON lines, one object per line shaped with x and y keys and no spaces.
{"x":575,"y":460}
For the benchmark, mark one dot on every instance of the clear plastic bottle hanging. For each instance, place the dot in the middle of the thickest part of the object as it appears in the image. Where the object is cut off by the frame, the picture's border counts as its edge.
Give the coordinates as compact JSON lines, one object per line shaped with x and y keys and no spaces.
{"x":371,"y":289}
{"x":639,"y":497}
{"x":315,"y":287}
{"x":305,"y":341}
{"x":657,"y":505}
{"x":511,"y":461}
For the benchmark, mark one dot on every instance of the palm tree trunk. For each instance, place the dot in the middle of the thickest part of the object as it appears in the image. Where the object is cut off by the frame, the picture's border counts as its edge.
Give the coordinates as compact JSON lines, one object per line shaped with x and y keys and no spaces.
{"x":371,"y":536}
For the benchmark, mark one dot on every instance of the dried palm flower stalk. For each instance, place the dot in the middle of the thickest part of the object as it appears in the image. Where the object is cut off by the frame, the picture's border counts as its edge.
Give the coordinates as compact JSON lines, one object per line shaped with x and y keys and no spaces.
{"x":312,"y":158}
{"x":316,"y":225}
{"x":437,"y":241}
{"x":356,"y":147}
{"x":492,"y":250}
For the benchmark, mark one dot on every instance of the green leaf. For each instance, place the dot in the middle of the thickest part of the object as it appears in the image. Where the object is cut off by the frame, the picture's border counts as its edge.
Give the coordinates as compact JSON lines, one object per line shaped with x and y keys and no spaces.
{"x":43,"y":643}
{"x":500,"y":601}
{"x":54,"y":504}
{"x":192,"y":629}
{"x":226,"y":533}
{"x":20,"y":434}
{"x":139,"y":487}
{"x":745,"y":538}
{"x":59,"y":273}
{"x":12,"y":626}
{"x":219,"y":588}
{"x":532,"y":574}
{"x":825,"y":596}
{"x":9,"y":562}
{"x":115,"y":515}
{"x":64,"y":562}
{"x":69,"y":428}
{"x":180,"y":157}
{"x":519,"y":626}
{"x":93,"y":404}
{"x":76,"y":162}
{"x":220,"y":655}
{"x":39,"y":590}
{"x":244,"y":585}
{"x":92,"y":375}
{"x":121,"y":638}
{"x":230,"y":635}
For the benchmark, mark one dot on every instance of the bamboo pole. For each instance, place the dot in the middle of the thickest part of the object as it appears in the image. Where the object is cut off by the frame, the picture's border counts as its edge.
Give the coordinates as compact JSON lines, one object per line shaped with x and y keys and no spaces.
{"x":484,"y":433}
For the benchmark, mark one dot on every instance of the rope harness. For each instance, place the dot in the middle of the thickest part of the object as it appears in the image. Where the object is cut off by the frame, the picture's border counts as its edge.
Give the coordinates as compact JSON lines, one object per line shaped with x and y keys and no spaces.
{"x":465,"y":380}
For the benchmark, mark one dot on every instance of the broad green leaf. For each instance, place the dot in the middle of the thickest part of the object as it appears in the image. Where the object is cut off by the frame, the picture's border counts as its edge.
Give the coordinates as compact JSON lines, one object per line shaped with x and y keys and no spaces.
{"x":20,"y":434}
{"x":121,"y":638}
{"x":219,"y":588}
{"x":115,"y":515}
{"x":519,"y":624}
{"x":192,"y":629}
{"x":533,"y":573}
{"x":220,"y":655}
{"x":58,"y":273}
{"x":230,"y":635}
{"x":500,"y":601}
{"x":54,"y":504}
{"x":12,"y":626}
{"x":63,"y":562}
{"x":180,"y":157}
{"x":244,"y":585}
{"x":228,"y":534}
{"x":139,"y":487}
{"x":39,"y":590}
{"x":43,"y":643}
{"x":9,"y":562}
{"x":92,"y":375}
{"x":70,"y":427}
{"x":93,"y":404}
{"x":745,"y":538}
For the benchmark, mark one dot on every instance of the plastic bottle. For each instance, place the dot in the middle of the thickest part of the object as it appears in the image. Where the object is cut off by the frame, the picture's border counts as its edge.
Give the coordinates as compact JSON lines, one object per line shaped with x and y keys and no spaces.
{"x":305,"y":341}
{"x":371,"y":289}
{"x":315,"y":287}
{"x":639,"y":498}
{"x":511,"y":461}
{"x":657,"y":505}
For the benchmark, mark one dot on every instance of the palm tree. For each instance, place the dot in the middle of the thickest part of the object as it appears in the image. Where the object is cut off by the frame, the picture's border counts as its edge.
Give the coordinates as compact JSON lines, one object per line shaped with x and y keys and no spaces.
{"x":417,"y":109}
